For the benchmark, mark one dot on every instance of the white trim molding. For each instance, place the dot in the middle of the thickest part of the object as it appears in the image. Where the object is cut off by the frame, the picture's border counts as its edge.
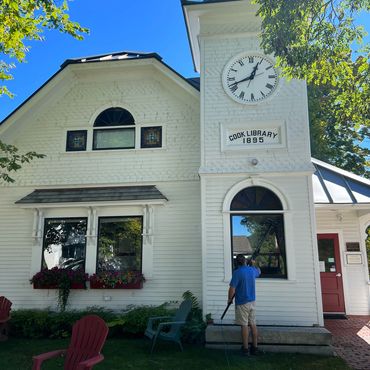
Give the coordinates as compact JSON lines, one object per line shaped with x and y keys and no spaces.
{"x":290,"y":252}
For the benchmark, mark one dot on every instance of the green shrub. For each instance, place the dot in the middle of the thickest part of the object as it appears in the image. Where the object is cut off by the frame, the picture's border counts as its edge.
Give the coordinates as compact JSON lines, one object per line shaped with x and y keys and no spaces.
{"x":50,"y":324}
{"x":194,"y":329}
{"x":30,"y":323}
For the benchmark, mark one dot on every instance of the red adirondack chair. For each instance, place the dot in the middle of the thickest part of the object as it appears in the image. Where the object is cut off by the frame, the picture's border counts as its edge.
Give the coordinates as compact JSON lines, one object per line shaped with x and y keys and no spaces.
{"x":5,"y":305}
{"x":88,"y":338}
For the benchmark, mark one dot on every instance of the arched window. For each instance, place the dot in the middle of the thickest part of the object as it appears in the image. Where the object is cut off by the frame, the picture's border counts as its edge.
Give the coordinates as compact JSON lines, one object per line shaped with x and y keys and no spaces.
{"x":114,"y":128}
{"x":257,"y":230}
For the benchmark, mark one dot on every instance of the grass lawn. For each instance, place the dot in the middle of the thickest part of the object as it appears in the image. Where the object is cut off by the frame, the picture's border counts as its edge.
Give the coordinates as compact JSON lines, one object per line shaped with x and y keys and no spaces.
{"x":120,"y":354}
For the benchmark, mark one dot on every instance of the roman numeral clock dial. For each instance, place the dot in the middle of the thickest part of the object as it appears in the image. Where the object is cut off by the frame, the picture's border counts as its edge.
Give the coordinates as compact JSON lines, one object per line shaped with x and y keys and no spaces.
{"x":250,"y":78}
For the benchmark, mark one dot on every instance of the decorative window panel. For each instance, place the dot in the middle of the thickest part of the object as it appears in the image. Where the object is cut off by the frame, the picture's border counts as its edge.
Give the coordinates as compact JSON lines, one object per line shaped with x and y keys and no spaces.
{"x":151,"y":137}
{"x":76,"y":141}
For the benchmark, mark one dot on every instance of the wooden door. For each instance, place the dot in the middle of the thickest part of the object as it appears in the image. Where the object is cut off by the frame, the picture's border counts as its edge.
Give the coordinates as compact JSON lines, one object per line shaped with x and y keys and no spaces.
{"x":330,"y":273}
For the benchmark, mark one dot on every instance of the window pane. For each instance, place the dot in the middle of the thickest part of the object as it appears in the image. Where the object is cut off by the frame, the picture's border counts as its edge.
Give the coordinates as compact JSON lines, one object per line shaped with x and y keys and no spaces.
{"x":256,"y":198}
{"x":114,"y":139}
{"x":326,"y":254}
{"x":264,"y":236}
{"x":114,"y":117}
{"x":64,"y":243}
{"x":120,"y":244}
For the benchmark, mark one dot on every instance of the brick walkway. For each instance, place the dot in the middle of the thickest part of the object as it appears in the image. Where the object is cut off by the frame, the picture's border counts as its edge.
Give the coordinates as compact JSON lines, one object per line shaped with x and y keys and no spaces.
{"x":351,"y":340}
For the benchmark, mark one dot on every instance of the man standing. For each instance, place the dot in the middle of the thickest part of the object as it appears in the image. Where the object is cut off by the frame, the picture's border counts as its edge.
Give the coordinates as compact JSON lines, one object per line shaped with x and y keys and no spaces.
{"x":243,"y":286}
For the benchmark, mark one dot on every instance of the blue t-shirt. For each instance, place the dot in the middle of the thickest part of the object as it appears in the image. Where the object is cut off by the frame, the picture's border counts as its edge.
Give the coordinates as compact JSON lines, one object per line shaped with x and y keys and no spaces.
{"x":244,"y":282}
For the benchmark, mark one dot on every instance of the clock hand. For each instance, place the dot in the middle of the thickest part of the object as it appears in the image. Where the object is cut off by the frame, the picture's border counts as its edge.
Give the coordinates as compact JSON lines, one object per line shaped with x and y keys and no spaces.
{"x":238,"y":82}
{"x":244,"y":79}
{"x":253,"y":74}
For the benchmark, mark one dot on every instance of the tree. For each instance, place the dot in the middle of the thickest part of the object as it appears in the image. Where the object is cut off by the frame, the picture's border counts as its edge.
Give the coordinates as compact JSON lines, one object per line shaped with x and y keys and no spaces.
{"x":11,"y":160}
{"x":21,"y":21}
{"x":318,"y":40}
{"x":334,"y":139}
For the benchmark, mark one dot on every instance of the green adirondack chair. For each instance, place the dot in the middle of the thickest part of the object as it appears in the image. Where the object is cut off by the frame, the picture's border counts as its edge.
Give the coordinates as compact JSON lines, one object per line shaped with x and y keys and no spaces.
{"x":169,"y":327}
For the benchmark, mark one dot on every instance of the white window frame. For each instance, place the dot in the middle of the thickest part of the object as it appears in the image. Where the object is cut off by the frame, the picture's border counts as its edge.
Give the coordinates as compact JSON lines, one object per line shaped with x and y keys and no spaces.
{"x":288,"y":227}
{"x":90,"y":131}
{"x":92,"y":212}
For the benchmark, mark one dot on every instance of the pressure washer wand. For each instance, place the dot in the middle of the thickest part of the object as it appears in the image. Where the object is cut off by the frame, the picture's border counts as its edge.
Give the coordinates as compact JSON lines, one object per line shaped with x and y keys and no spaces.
{"x":227,"y":307}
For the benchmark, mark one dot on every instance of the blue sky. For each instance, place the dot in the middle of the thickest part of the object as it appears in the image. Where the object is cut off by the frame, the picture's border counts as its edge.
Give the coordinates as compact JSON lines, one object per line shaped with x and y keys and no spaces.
{"x":115,"y":25}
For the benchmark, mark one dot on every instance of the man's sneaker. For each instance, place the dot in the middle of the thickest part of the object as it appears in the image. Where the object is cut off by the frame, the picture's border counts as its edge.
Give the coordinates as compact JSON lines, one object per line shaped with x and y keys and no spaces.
{"x":245,"y":351}
{"x":254,"y":351}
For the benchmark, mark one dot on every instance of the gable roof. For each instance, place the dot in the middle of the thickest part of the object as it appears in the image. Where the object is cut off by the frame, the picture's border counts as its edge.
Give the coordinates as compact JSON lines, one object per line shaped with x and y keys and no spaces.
{"x":119,"y":55}
{"x":332,"y":185}
{"x":108,"y":57}
{"x":195,"y":81}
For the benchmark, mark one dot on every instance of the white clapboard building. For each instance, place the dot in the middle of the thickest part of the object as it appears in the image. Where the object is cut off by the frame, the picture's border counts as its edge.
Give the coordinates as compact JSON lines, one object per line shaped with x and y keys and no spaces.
{"x":148,"y":171}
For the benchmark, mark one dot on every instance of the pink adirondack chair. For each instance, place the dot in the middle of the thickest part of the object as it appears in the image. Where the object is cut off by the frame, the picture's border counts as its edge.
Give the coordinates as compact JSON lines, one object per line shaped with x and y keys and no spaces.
{"x":5,"y":305}
{"x":88,"y":338}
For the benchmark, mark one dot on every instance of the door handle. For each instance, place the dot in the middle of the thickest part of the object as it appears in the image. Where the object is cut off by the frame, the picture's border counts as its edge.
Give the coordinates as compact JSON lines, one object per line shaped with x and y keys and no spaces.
{"x":338,"y":274}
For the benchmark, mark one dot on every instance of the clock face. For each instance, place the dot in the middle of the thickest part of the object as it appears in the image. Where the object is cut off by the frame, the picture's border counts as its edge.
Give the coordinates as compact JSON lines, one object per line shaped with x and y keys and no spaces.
{"x":250,"y":78}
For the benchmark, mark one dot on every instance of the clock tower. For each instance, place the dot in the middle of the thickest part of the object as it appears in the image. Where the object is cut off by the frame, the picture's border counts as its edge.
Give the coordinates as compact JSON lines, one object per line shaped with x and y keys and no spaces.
{"x":256,"y":171}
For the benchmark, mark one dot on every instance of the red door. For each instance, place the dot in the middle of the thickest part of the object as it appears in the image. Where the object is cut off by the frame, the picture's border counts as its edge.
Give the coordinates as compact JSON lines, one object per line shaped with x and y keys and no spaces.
{"x":330,"y":273}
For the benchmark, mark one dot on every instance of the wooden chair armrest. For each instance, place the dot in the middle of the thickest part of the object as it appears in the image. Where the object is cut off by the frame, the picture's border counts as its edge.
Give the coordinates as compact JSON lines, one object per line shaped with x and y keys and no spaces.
{"x":88,"y":364}
{"x":160,"y":318}
{"x":3,"y":321}
{"x":162,"y":324}
{"x":152,"y":319}
{"x":39,"y":359}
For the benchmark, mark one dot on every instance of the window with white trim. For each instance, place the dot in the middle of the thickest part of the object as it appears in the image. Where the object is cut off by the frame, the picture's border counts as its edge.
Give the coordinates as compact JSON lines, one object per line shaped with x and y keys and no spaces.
{"x":114,"y":128}
{"x":257,"y":230}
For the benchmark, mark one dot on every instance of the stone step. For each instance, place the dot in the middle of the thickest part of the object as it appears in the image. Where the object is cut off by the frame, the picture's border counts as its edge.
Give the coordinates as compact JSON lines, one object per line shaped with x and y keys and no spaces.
{"x":313,"y":340}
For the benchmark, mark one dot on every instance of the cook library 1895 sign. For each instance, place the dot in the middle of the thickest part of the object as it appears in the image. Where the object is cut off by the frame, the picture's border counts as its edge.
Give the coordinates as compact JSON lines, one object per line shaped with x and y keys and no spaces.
{"x":253,"y":135}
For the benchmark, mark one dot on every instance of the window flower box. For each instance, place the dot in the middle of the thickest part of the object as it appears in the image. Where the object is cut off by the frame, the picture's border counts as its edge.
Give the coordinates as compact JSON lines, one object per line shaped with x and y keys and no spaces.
{"x":74,"y":285}
{"x":77,"y":285}
{"x":57,"y":277}
{"x":61,"y":279}
{"x":38,"y":285}
{"x":100,"y":285}
{"x":117,"y":280}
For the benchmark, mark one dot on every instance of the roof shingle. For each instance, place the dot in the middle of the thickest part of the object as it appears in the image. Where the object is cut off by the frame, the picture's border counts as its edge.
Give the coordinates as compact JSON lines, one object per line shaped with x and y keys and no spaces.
{"x":82,"y":195}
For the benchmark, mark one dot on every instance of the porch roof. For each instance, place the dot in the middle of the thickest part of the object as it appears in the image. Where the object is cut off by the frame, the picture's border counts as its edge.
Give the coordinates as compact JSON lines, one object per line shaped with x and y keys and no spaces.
{"x":332,"y":185}
{"x":85,"y":195}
